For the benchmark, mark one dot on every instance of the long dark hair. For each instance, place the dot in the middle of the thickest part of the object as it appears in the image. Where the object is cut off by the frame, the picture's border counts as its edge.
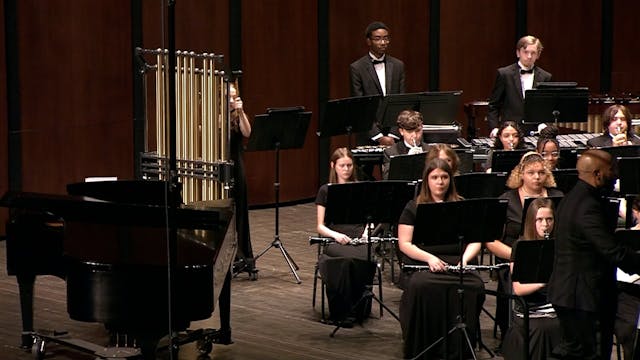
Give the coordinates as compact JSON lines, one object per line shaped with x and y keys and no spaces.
{"x":529,"y":232}
{"x":497,"y":144}
{"x":425,"y":193}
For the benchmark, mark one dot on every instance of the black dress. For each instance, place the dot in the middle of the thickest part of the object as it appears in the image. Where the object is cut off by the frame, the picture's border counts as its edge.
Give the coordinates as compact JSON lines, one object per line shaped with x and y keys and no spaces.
{"x":512,"y":229}
{"x":429,"y":305}
{"x":244,"y":256}
{"x":345,"y":271}
{"x":544,"y":328}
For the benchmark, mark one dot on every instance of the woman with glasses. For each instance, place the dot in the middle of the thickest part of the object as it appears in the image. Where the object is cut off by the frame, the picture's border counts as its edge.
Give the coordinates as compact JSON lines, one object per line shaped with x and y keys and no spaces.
{"x":549,"y":147}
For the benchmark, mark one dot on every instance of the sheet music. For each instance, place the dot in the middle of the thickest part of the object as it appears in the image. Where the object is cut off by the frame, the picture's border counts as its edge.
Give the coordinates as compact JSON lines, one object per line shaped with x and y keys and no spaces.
{"x":627,"y":278}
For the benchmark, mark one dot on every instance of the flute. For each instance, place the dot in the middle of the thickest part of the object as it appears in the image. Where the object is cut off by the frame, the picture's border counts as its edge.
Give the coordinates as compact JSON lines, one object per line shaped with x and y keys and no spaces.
{"x":456,"y":268}
{"x":354,"y":241}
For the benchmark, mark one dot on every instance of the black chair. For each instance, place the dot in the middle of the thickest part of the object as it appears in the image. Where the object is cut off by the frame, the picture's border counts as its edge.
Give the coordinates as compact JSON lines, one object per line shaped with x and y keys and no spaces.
{"x":322,"y":243}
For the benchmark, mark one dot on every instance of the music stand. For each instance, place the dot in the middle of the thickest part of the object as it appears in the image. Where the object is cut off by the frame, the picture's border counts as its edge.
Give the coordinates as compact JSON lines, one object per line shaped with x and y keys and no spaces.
{"x":283,"y":128}
{"x":484,"y":222}
{"x":349,"y":115}
{"x":533,"y":264}
{"x":568,"y":159}
{"x":506,"y":160}
{"x":436,"y":107}
{"x":566,"y":179}
{"x":480,"y":185}
{"x":407,"y":167}
{"x":556,"y":102}
{"x":622,"y":151}
{"x":376,"y":202}
{"x":465,"y":165}
{"x":629,"y":175}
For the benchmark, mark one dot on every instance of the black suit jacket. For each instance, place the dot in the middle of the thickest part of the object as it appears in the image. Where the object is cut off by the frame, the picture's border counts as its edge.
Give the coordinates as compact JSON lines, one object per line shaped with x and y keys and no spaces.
{"x":506,"y":101}
{"x":606,"y":140}
{"x":586,"y":253}
{"x":364,"y":82}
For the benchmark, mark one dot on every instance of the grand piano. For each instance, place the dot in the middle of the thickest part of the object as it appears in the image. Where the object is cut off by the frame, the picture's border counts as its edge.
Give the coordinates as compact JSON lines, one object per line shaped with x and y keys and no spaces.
{"x":108,"y":240}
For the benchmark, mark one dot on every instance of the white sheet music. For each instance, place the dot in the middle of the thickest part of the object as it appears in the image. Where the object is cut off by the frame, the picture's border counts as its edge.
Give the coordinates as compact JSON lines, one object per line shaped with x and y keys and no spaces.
{"x":627,"y":278}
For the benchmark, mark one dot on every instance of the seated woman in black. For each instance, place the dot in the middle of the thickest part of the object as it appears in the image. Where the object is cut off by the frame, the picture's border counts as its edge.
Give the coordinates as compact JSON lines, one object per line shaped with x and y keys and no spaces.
{"x":544,"y":327}
{"x":344,"y":267}
{"x":530,"y":178}
{"x":429,"y":302}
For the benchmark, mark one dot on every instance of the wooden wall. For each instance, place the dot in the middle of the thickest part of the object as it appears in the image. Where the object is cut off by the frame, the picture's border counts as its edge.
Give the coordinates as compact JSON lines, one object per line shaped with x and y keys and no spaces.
{"x":76,"y":69}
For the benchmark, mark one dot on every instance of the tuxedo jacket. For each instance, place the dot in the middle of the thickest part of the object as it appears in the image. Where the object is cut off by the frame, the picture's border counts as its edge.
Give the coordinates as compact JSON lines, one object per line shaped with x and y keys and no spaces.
{"x":506,"y":101}
{"x":364,"y":82}
{"x":399,"y":148}
{"x":606,"y":140}
{"x":586,"y":253}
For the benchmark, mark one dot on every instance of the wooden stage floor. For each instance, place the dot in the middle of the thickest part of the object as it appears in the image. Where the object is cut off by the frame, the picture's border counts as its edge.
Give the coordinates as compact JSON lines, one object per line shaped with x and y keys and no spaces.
{"x":272,"y":317}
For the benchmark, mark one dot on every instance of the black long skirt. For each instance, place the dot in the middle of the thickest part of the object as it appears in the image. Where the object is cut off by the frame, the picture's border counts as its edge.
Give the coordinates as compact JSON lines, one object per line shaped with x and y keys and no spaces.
{"x":346,"y":273}
{"x":429,"y":309}
{"x":544,"y":335}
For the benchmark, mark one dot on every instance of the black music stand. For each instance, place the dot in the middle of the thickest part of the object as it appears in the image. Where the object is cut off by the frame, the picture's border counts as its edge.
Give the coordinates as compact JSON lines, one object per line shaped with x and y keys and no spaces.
{"x":484,"y":222}
{"x":627,"y":151}
{"x":376,"y":202}
{"x":480,"y":185}
{"x":506,"y":160}
{"x":283,"y":128}
{"x":533,"y":263}
{"x":566,"y":179}
{"x":349,"y":115}
{"x":437,"y":107}
{"x":568,"y":159}
{"x":556,"y":102}
{"x":407,"y":167}
{"x":629,"y":175}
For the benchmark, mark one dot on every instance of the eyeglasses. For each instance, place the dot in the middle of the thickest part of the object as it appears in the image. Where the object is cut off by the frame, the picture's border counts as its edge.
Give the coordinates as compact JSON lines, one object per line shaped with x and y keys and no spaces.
{"x":380,"y":38}
{"x":554,"y":154}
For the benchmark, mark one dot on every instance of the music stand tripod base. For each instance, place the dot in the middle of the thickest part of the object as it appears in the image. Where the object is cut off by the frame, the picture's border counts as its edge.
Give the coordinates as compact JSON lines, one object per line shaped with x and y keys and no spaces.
{"x":283,"y":128}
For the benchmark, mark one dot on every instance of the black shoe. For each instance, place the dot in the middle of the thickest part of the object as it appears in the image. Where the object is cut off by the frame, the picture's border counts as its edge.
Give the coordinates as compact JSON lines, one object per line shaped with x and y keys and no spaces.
{"x":346,"y":323}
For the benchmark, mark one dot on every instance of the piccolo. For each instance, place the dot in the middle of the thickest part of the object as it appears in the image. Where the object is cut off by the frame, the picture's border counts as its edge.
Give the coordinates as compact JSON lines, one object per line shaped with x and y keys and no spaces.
{"x":355,"y":241}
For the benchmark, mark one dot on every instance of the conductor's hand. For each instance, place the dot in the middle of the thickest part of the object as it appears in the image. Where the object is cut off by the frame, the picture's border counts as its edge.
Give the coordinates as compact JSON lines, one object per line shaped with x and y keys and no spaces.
{"x":386,"y":141}
{"x":342,"y":238}
{"x":435,"y":264}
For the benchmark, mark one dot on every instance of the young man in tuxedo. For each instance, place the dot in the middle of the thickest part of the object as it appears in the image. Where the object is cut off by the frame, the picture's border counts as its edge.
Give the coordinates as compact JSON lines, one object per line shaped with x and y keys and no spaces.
{"x":377,"y":73}
{"x":507,"y":98}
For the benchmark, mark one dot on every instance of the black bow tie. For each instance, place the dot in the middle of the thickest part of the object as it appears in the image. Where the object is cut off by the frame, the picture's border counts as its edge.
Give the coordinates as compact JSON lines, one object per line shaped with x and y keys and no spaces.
{"x":523,"y":71}
{"x":374,"y":61}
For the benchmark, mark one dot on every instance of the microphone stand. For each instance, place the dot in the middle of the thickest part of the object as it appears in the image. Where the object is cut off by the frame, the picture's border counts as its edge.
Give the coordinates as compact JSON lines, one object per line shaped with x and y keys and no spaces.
{"x":173,"y":181}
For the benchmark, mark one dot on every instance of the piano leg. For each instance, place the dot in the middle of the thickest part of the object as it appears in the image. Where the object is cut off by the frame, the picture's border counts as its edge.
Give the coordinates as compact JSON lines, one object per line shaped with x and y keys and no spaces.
{"x":25,"y":287}
{"x":224,"y":302}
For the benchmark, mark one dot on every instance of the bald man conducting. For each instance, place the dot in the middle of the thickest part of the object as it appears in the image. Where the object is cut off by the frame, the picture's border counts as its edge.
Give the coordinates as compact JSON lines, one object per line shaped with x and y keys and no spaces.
{"x":582,"y":287}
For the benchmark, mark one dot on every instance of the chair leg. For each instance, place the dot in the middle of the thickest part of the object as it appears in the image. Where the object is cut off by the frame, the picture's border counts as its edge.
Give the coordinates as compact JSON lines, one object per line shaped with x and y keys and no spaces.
{"x":322,"y":293}
{"x":315,"y":286}
{"x":380,"y":290}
